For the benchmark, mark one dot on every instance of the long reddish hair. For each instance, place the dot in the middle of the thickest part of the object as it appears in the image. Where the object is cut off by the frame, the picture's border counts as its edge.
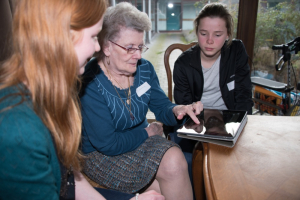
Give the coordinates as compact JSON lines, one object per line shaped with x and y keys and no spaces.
{"x":44,"y":58}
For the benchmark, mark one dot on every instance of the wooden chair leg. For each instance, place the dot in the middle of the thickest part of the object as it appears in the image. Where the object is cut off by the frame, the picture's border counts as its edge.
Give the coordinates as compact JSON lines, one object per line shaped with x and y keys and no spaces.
{"x":197,"y":168}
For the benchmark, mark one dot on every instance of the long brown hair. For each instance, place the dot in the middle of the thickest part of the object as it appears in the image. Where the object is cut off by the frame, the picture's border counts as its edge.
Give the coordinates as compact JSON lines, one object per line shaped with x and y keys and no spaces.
{"x":44,"y":58}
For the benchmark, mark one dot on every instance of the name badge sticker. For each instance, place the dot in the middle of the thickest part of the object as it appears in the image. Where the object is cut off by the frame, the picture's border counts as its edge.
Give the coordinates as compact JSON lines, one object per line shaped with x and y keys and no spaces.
{"x":230,"y":85}
{"x":142,"y":89}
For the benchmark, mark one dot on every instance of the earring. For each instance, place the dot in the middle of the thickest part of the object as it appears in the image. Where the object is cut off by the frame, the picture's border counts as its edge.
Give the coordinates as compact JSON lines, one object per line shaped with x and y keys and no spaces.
{"x":107,"y":60}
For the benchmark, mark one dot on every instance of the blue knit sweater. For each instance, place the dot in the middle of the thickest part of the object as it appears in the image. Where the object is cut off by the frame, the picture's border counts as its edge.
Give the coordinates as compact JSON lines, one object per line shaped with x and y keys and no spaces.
{"x":107,"y":126}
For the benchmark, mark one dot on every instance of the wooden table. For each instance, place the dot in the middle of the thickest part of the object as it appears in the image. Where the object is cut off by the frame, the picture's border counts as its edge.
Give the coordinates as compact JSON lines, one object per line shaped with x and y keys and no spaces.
{"x":264,"y":163}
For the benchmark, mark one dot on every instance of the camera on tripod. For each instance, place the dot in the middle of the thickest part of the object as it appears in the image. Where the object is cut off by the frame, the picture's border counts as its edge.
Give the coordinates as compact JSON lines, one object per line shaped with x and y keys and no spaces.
{"x":287,"y":48}
{"x":285,"y":89}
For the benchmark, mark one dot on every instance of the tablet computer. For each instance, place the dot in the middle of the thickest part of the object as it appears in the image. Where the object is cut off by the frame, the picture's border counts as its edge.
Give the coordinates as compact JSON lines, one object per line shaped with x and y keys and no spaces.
{"x":221,"y":127}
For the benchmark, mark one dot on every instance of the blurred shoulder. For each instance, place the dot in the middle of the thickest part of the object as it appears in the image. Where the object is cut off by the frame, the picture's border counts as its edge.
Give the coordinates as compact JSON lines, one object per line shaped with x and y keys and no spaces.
{"x":236,"y":43}
{"x":143,"y":61}
{"x":20,"y":124}
{"x":145,"y":64}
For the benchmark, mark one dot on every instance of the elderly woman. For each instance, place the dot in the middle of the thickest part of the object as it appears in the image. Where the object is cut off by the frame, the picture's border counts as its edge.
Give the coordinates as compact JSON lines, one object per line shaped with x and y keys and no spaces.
{"x":123,"y":151}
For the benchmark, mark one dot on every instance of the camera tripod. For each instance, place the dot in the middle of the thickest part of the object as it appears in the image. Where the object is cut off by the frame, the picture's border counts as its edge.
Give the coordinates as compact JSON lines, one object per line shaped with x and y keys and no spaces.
{"x":285,"y":88}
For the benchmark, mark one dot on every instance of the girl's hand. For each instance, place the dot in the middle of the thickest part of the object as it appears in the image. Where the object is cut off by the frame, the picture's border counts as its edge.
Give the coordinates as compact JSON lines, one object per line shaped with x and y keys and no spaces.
{"x":150,"y":195}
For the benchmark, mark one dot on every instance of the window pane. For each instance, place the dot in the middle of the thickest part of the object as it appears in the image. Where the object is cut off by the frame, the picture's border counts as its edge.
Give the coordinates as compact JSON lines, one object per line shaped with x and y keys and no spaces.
{"x":277,"y":23}
{"x":182,"y":13}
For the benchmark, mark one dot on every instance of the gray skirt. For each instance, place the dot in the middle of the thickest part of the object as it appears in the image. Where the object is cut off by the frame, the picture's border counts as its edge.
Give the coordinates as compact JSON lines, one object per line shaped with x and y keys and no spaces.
{"x":129,"y":172}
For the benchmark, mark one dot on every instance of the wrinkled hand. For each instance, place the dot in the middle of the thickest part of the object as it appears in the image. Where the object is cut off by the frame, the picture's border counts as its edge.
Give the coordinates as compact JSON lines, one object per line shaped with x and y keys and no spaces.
{"x":192,"y":110}
{"x":155,"y":128}
{"x":150,"y":195}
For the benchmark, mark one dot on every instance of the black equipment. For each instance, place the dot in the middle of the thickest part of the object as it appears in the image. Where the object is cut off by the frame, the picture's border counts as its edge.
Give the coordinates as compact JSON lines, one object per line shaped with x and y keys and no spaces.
{"x":287,"y":49}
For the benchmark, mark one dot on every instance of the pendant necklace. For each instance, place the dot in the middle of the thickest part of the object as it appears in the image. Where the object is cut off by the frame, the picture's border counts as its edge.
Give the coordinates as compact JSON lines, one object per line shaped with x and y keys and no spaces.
{"x":128,"y":94}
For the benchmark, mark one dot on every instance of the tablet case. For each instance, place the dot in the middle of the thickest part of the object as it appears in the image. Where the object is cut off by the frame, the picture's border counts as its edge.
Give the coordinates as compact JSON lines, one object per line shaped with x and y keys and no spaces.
{"x":222,"y":127}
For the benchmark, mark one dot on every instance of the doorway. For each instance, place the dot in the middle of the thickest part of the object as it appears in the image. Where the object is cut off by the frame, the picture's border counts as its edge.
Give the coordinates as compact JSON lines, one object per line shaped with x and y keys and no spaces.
{"x":173,"y":17}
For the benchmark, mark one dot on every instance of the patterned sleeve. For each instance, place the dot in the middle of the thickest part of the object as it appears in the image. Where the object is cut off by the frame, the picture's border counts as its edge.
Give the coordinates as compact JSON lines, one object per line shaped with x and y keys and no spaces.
{"x":160,"y":104}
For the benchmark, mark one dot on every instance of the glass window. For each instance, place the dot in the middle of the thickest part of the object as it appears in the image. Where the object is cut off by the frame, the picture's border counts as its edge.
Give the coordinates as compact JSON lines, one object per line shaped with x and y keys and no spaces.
{"x":136,"y":3}
{"x":277,"y":23}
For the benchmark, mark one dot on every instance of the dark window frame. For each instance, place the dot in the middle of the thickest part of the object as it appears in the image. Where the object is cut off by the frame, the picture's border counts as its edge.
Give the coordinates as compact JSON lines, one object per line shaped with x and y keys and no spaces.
{"x":247,"y":25}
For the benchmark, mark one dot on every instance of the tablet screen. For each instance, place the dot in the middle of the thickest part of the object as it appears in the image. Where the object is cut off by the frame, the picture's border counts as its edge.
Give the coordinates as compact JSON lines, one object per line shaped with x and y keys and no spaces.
{"x":215,"y":123}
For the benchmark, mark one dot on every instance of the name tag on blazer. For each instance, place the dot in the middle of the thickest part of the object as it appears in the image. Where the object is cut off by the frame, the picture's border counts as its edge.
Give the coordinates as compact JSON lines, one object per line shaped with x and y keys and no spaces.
{"x":142,"y":89}
{"x":230,"y":85}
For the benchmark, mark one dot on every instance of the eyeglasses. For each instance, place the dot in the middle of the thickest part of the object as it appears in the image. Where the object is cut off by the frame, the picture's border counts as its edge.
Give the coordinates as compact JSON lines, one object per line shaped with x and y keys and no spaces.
{"x":132,"y":50}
